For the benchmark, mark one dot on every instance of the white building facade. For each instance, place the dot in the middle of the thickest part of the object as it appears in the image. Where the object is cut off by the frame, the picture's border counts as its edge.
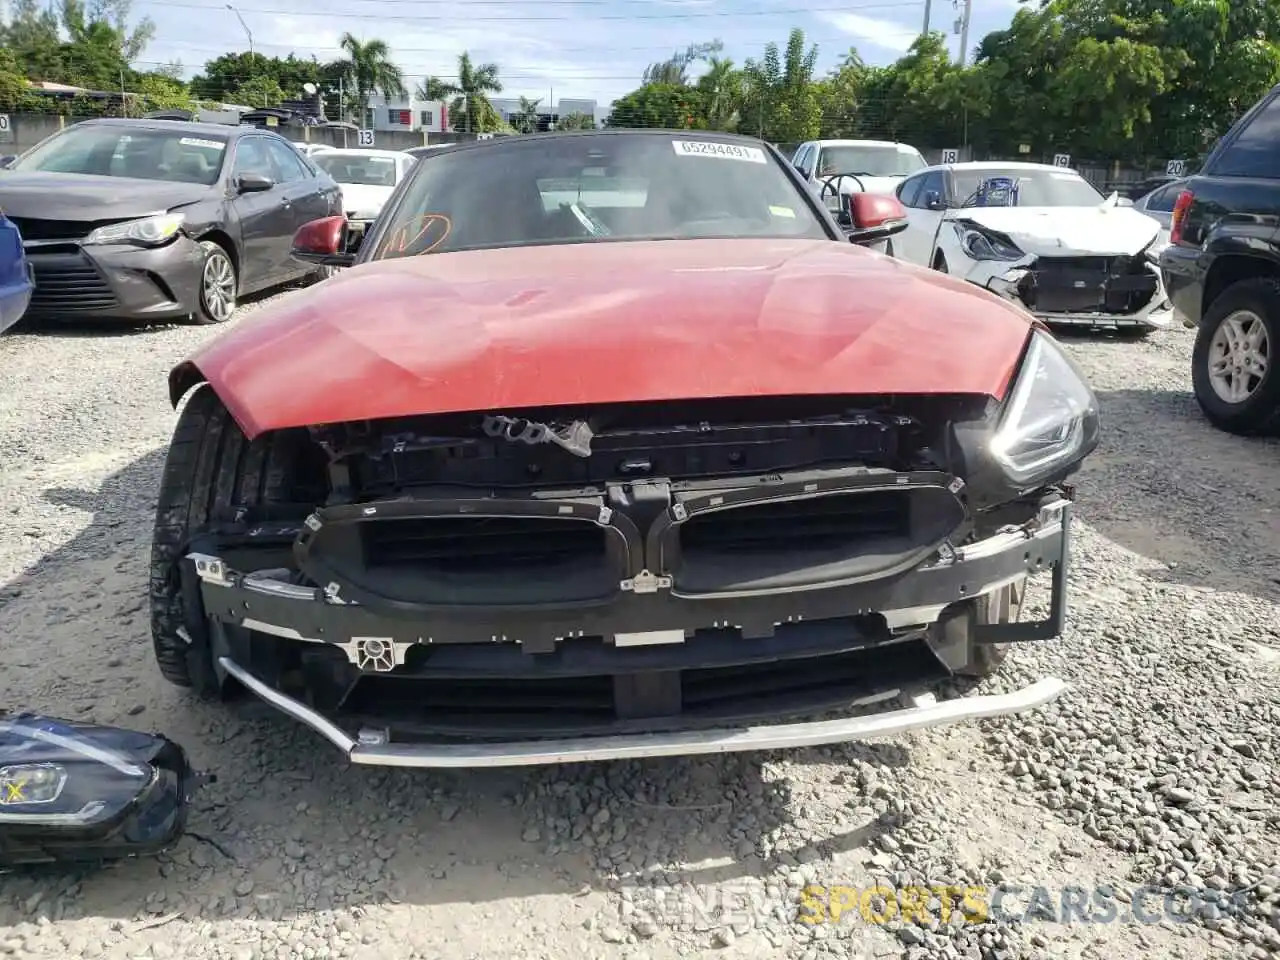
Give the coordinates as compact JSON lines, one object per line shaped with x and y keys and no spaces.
{"x":407,"y":115}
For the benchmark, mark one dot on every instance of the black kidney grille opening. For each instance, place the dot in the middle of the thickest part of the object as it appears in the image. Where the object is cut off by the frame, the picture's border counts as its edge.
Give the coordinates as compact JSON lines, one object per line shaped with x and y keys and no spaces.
{"x":481,"y":544}
{"x":814,"y":523}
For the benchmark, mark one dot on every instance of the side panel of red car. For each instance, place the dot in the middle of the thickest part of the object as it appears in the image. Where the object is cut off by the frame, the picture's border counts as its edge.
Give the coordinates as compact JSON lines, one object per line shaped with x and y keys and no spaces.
{"x":609,"y":322}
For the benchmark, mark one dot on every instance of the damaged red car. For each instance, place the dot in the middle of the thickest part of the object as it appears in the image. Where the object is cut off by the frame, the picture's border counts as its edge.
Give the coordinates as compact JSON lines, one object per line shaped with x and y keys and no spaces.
{"x":615,"y":444}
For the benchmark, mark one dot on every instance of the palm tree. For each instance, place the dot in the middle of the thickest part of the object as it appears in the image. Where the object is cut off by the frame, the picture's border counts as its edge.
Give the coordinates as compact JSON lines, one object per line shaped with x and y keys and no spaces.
{"x":722,"y":93}
{"x":475,"y":83}
{"x":368,"y":68}
{"x":433,"y":88}
{"x":528,"y":119}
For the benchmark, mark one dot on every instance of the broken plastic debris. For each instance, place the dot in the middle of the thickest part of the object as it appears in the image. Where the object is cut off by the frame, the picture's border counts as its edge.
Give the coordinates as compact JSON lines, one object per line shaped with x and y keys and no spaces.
{"x":575,"y":437}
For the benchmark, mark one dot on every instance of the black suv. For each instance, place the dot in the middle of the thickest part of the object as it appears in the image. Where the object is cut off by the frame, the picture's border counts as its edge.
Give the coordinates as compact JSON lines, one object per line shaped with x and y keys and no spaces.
{"x":1222,"y":271}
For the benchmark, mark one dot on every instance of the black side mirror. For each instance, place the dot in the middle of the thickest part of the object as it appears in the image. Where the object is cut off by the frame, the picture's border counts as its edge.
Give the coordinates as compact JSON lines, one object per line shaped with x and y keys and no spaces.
{"x":253,"y":183}
{"x":8,"y":160}
{"x":933,"y":200}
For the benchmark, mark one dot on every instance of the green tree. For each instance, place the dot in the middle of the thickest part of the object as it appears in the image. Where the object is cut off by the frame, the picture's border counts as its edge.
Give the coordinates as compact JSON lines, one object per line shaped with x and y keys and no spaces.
{"x":433,"y":88}
{"x":666,"y":106}
{"x":32,"y":39}
{"x":471,"y":96}
{"x":526,"y":121}
{"x":781,"y":102}
{"x":576,"y":121}
{"x":258,"y":92}
{"x":675,"y":70}
{"x":367,"y":69}
{"x":224,"y":74}
{"x":160,"y":91}
{"x":721,"y":89}
{"x":839,"y":95}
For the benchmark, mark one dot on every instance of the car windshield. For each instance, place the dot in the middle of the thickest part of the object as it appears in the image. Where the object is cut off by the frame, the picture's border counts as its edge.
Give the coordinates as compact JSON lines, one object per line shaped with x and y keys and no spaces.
{"x":358,"y":169}
{"x":1035,"y":188}
{"x":595,"y":188}
{"x":111,"y":150}
{"x":869,"y":161}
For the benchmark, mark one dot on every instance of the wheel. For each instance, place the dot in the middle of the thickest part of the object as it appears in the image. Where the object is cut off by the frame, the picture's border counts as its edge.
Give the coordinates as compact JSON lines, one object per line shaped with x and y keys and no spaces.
{"x":952,"y":636}
{"x":1231,"y":370}
{"x":219,"y":285}
{"x":940,"y":263}
{"x":210,"y":471}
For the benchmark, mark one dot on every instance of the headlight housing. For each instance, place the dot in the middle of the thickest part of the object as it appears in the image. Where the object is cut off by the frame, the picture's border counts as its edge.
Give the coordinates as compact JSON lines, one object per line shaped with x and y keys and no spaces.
{"x":1050,"y":420}
{"x":982,"y":245}
{"x":146,"y":231}
{"x":77,"y":791}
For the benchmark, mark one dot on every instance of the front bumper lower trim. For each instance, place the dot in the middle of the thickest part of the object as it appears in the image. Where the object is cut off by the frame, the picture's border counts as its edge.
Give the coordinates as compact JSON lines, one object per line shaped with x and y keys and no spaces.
{"x":925,"y":712}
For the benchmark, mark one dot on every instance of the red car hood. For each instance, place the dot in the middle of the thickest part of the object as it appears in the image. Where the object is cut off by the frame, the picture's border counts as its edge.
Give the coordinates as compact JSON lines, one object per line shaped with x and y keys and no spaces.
{"x":606,"y":322}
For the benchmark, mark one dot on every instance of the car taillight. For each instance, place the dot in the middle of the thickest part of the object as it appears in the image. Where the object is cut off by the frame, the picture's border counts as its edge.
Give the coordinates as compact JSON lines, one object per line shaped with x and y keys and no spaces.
{"x":1180,"y":215}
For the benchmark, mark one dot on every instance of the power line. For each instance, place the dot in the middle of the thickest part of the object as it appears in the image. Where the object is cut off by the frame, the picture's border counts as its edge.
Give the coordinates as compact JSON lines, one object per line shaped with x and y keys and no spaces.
{"x":777,"y":12}
{"x":667,"y":48}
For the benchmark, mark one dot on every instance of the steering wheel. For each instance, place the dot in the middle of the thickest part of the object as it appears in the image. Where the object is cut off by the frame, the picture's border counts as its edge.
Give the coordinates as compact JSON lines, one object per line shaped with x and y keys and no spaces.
{"x":832,"y":183}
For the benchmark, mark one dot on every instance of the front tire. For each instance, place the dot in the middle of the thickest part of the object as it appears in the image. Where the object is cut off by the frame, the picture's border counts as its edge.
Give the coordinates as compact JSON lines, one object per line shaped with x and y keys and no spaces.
{"x":211,"y":471}
{"x":1232,"y":371}
{"x":951,"y":637}
{"x":219,"y":285}
{"x":940,"y":263}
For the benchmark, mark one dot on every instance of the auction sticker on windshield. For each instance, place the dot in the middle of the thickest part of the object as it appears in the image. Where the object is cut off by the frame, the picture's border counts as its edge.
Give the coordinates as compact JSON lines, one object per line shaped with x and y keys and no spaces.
{"x":724,"y":151}
{"x":197,"y":142}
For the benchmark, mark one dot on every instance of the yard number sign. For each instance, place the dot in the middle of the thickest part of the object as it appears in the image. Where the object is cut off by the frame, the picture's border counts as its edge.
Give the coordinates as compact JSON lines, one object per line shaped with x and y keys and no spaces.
{"x":1062,"y":159}
{"x":950,"y":156}
{"x":1174,"y":168}
{"x":4,"y":123}
{"x":366,"y":138}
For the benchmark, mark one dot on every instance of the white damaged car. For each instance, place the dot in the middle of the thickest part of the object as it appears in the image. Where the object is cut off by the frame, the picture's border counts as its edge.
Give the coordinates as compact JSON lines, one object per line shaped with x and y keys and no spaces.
{"x":1040,"y":236}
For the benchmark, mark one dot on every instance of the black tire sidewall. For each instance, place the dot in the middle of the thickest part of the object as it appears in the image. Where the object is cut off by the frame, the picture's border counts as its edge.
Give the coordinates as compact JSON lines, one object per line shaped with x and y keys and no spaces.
{"x":211,"y":249}
{"x":940,"y":263}
{"x":1260,"y":413}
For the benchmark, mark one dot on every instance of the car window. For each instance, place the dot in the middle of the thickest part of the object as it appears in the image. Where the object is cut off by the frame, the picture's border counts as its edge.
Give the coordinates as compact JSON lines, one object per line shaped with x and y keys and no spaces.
{"x":140,"y":153}
{"x":1163,"y":198}
{"x":869,"y":161}
{"x":935,"y":182}
{"x":805,"y":163}
{"x":252,"y":157}
{"x":582,"y":189}
{"x":360,"y":169}
{"x":909,"y":191}
{"x":1255,"y":151}
{"x":1034,"y":188}
{"x":287,"y":162}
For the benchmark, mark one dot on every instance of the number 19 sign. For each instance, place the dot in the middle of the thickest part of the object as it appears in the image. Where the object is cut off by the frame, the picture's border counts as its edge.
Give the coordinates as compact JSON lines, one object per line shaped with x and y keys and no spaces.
{"x":4,"y":123}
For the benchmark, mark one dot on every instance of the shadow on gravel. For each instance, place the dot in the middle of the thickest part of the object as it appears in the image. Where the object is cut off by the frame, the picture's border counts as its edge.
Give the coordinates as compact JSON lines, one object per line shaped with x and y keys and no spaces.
{"x":1201,"y":503}
{"x":290,"y":828}
{"x":82,"y":328}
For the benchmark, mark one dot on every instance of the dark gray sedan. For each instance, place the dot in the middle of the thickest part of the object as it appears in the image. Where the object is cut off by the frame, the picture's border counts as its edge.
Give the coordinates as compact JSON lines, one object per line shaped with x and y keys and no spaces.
{"x":160,"y":220}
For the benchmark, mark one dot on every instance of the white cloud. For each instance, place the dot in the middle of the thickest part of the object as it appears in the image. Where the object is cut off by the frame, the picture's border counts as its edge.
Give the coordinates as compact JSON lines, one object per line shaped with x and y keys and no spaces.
{"x":873,"y":31}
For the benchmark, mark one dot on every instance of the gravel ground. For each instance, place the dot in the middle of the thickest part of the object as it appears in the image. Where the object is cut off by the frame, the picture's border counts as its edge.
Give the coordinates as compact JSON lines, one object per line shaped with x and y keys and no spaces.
{"x":1154,"y":775}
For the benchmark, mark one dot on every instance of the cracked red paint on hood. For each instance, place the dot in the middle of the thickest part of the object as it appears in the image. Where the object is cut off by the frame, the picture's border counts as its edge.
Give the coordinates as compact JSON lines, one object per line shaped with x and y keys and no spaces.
{"x":607,"y":322}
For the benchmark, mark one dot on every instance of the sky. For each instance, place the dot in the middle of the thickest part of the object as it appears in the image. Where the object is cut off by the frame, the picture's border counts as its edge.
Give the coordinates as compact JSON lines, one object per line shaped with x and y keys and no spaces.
{"x":590,"y":49}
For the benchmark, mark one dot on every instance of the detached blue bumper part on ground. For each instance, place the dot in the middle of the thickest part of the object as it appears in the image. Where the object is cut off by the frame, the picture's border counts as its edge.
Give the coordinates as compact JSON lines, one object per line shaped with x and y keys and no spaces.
{"x":16,"y":277}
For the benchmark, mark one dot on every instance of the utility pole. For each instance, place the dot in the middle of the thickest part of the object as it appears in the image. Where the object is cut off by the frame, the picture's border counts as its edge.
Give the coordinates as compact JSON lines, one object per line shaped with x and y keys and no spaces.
{"x":247,"y":33}
{"x":966,"y":9}
{"x":928,"y":9}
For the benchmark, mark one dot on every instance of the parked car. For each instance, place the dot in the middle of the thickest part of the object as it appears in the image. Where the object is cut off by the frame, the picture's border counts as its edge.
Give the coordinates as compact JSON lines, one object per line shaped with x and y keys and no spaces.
{"x":367,"y":178}
{"x":158,"y":219}
{"x":1136,"y":191}
{"x":1221,"y":265}
{"x":310,"y":149}
{"x":1040,"y":236}
{"x":1158,"y":205}
{"x":16,"y":277}
{"x":846,"y":166}
{"x":541,"y":482}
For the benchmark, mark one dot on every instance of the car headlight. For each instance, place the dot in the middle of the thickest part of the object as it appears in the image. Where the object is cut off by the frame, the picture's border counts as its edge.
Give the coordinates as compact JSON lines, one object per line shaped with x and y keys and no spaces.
{"x":147,"y":231}
{"x":985,"y":246}
{"x":1050,"y":421}
{"x":72,"y":791}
